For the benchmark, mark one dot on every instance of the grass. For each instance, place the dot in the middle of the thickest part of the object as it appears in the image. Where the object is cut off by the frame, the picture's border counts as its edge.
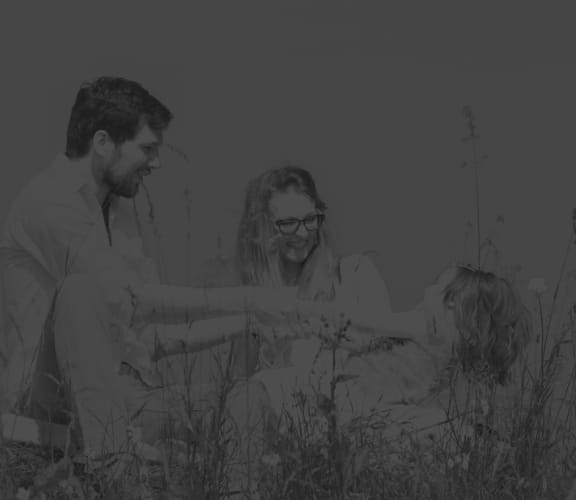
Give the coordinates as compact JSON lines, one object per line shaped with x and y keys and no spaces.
{"x":530,"y":453}
{"x":318,"y":458}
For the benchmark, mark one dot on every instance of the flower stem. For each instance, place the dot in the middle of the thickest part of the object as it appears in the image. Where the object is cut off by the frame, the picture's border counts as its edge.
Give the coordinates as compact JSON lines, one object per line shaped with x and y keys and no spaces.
{"x":477,"y":189}
{"x":562,"y":272}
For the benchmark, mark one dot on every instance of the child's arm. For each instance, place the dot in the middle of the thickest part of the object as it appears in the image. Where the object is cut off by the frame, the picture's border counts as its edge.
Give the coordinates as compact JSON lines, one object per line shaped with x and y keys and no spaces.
{"x":423,"y":323}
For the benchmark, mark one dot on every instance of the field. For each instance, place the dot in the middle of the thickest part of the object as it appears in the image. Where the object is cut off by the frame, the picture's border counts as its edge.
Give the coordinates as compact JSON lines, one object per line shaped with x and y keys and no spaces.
{"x":526,"y":453}
{"x":531,"y":457}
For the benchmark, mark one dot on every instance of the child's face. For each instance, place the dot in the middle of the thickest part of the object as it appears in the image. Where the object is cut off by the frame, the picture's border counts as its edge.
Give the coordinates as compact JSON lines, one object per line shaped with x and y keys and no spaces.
{"x":443,"y":313}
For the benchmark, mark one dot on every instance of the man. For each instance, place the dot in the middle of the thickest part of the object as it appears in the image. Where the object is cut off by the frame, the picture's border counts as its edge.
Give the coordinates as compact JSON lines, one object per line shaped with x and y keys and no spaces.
{"x":76,"y":309}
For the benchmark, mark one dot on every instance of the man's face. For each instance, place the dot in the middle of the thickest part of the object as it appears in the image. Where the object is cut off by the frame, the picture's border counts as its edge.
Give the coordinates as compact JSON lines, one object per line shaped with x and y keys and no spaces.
{"x":133,"y":160}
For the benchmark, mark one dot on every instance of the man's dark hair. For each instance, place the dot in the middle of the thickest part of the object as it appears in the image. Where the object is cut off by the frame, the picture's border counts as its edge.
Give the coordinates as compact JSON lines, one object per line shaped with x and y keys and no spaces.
{"x":116,"y":105}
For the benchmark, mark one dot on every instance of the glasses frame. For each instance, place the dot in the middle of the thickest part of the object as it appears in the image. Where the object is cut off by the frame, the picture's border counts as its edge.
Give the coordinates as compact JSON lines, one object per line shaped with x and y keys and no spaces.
{"x":300,"y":222}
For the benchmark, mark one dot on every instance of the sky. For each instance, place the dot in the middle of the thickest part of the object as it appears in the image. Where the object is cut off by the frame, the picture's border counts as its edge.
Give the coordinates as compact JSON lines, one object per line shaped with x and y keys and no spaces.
{"x":366,"y":96}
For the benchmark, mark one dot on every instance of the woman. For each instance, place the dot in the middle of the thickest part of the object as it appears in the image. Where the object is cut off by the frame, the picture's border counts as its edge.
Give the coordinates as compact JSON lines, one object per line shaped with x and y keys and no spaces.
{"x":284,"y":240}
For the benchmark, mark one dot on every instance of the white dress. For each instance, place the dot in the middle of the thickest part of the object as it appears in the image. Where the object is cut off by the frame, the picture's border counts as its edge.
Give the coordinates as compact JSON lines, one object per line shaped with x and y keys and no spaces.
{"x":394,"y":379}
{"x":399,"y":383}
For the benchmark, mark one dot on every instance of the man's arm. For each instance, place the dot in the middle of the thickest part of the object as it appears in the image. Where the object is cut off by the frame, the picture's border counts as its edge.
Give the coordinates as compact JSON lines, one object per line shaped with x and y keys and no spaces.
{"x":66,"y":240}
{"x":176,"y":339}
{"x":169,"y":304}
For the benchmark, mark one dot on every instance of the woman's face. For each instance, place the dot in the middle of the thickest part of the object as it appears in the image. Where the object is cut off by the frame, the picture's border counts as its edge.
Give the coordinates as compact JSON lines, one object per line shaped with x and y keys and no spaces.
{"x":296,"y":221}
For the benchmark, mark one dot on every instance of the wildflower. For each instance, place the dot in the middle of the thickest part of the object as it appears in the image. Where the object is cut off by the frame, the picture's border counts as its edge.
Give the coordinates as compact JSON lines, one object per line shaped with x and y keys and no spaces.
{"x":427,"y":458}
{"x":143,"y":473}
{"x":465,"y":461}
{"x":134,"y":433}
{"x":272,"y":460}
{"x":485,"y":407}
{"x":467,"y":431}
{"x":522,"y":483}
{"x":23,"y":494}
{"x":319,"y":425}
{"x":90,"y":453}
{"x":68,"y":488}
{"x":537,"y":286}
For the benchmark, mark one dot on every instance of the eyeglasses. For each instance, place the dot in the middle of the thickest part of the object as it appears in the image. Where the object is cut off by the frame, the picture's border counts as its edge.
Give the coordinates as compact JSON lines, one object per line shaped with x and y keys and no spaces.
{"x":290,"y":226}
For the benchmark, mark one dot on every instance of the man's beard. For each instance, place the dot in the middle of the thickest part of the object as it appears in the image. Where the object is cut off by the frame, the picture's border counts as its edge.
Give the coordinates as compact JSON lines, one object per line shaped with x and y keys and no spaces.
{"x":124,"y":188}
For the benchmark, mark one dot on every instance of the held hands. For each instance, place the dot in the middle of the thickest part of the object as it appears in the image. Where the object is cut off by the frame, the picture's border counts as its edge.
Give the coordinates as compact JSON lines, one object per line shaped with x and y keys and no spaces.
{"x":273,"y":313}
{"x":327,"y":321}
{"x":273,"y":327}
{"x":277,"y":313}
{"x":273,"y":303}
{"x":311,"y":321}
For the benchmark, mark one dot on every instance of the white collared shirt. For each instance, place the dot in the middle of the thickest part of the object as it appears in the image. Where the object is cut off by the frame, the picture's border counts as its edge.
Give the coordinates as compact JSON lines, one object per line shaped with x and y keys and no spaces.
{"x":55,"y":228}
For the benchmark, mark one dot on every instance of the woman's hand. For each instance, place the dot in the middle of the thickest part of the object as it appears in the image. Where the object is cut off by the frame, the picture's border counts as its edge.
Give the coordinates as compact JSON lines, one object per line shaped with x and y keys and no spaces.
{"x":273,"y":304}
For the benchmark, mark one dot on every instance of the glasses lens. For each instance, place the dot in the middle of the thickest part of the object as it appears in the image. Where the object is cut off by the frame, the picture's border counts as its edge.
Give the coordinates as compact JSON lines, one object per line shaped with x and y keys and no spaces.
{"x":313,"y":222}
{"x":288,"y":226}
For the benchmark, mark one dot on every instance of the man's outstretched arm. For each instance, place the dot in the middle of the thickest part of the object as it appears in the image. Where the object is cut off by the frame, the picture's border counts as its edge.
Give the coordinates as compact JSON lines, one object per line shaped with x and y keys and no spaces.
{"x":168,"y":304}
{"x":66,"y":240}
{"x":169,"y":340}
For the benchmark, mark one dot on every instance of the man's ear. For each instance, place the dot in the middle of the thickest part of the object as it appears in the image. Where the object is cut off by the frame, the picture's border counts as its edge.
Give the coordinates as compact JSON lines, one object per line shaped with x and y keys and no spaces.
{"x":102,"y":144}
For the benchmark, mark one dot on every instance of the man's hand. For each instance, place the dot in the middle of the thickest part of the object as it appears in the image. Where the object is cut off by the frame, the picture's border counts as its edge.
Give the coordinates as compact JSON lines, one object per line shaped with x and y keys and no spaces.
{"x":272,"y":327}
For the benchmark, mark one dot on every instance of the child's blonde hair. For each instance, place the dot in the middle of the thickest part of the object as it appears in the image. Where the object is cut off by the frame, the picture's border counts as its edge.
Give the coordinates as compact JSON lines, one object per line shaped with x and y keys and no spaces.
{"x":493,"y":322}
